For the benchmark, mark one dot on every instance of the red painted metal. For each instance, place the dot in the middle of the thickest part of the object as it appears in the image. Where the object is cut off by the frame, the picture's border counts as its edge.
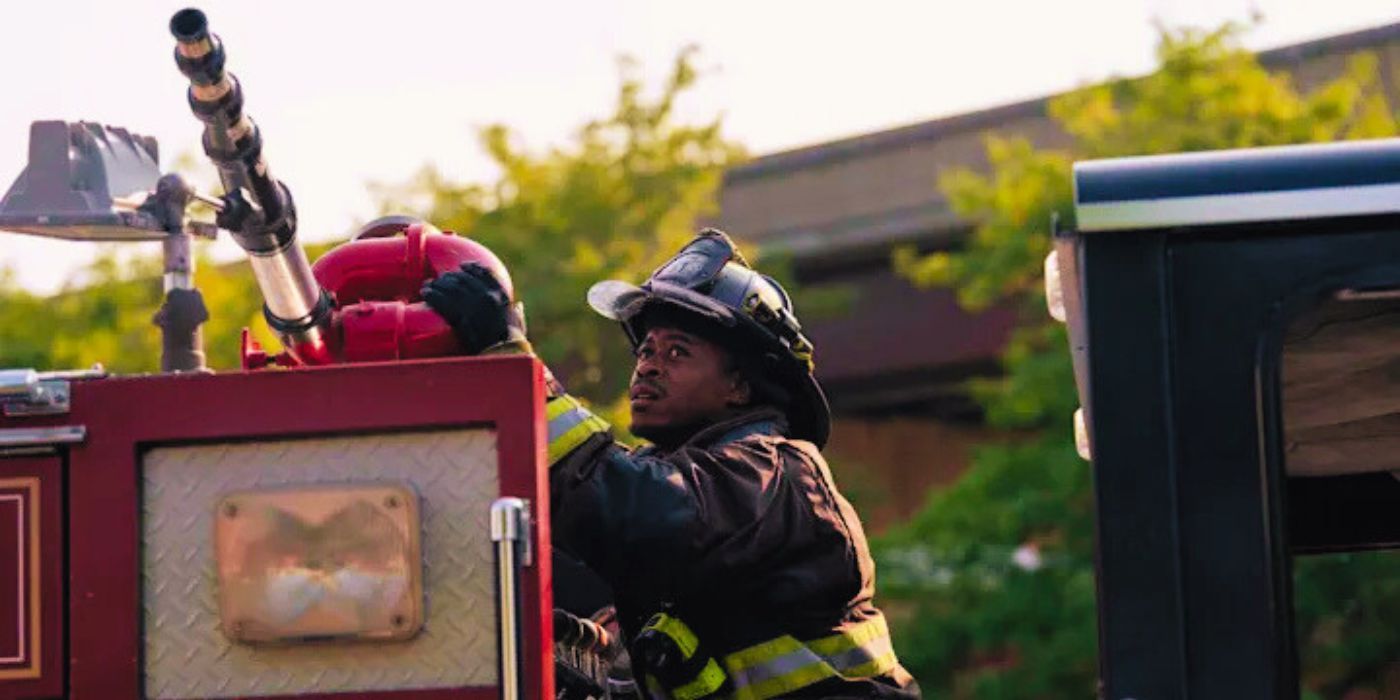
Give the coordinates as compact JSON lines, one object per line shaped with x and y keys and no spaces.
{"x":394,"y":330}
{"x":39,"y":499}
{"x":375,"y":282}
{"x":470,"y":693}
{"x":394,"y":268}
{"x":318,"y":351}
{"x":125,"y":416}
{"x":17,"y":626}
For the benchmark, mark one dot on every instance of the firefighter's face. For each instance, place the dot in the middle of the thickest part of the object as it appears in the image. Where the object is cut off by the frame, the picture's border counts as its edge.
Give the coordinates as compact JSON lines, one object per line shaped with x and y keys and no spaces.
{"x":681,"y":383}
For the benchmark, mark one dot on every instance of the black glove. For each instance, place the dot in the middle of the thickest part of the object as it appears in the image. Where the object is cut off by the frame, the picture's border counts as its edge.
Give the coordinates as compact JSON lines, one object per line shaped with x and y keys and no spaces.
{"x":473,"y":302}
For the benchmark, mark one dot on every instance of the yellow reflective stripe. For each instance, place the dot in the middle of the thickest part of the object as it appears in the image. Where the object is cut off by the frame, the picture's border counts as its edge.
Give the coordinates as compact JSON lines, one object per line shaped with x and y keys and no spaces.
{"x":759,"y":654}
{"x":879,"y":666}
{"x":785,"y":664}
{"x":872,"y":658}
{"x":560,"y":405}
{"x":774,"y":667}
{"x":570,"y":425}
{"x":568,"y":442}
{"x":678,"y":631}
{"x":851,"y":637}
{"x":797,"y":679}
{"x":709,"y":680}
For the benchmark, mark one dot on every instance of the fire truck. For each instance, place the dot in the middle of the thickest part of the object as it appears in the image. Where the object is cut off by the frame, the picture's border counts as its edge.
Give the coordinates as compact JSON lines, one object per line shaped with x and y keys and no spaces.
{"x":275,"y":532}
{"x":363,"y":514}
{"x":1233,"y":319}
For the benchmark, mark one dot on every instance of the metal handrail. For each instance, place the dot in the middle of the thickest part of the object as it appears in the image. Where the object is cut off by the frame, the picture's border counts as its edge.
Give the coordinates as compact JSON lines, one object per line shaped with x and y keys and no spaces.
{"x":510,"y":530}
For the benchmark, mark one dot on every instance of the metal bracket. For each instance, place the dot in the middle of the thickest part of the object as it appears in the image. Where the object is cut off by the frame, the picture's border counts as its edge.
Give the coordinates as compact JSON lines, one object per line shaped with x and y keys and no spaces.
{"x":24,"y":392}
{"x":510,"y":521}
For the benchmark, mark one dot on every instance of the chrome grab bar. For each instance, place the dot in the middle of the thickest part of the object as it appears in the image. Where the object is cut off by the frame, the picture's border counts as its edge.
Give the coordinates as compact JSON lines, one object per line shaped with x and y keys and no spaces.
{"x":510,"y":530}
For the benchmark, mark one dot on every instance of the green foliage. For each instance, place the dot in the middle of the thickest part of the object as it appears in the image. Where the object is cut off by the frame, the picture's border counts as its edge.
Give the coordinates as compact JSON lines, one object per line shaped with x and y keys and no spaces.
{"x":978,"y":624}
{"x":21,"y":314}
{"x":971,"y":624}
{"x":103,"y":315}
{"x":1034,"y":395}
{"x":1012,"y":206}
{"x":613,"y":204}
{"x":1345,"y":610}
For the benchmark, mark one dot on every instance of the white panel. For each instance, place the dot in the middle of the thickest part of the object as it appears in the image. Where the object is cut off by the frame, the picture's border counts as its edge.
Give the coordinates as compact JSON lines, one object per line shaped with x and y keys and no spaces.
{"x":454,"y":473}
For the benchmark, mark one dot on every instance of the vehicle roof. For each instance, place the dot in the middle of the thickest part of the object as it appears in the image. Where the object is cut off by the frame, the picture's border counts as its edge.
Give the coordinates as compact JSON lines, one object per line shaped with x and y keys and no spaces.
{"x":1281,"y":183}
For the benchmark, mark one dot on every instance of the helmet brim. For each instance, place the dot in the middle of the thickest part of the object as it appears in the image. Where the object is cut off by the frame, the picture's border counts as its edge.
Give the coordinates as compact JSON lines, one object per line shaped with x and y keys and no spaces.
{"x":623,"y":302}
{"x":612,"y":299}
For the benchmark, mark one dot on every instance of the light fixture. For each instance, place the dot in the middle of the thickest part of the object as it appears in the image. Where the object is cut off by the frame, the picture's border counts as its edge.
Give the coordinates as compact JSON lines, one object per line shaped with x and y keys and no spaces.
{"x":319,"y":563}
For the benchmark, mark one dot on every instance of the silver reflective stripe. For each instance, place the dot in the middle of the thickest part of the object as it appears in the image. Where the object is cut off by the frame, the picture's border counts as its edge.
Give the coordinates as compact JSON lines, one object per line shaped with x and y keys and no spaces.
{"x":1238,"y":208}
{"x":565,"y":422}
{"x":783,"y":665}
{"x":803,"y":657}
{"x":861,"y":655}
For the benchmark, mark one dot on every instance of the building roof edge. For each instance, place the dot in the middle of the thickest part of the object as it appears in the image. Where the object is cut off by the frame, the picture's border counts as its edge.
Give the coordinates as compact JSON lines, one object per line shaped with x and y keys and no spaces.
{"x":874,"y":142}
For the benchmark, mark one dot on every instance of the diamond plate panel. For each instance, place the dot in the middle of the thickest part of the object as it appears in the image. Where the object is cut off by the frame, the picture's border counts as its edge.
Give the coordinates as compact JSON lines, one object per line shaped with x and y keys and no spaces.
{"x":187,"y":656}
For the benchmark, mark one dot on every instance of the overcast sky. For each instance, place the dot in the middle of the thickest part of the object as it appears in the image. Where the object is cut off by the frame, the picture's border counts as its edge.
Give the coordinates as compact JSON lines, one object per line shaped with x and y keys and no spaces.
{"x":348,"y":93}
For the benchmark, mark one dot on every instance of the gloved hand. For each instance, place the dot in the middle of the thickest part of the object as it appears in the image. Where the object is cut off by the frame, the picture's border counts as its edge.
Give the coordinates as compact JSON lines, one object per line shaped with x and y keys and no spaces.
{"x":482,"y":316}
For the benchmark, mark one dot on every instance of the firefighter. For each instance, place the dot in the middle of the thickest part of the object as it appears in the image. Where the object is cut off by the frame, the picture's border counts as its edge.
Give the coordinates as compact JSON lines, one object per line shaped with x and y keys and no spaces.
{"x":737,"y":567}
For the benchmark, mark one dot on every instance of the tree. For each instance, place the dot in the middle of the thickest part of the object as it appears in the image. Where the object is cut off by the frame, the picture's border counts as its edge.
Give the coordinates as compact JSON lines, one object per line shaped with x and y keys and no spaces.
{"x":614,"y":204}
{"x":978,"y":623}
{"x":103,"y":315}
{"x":618,"y":200}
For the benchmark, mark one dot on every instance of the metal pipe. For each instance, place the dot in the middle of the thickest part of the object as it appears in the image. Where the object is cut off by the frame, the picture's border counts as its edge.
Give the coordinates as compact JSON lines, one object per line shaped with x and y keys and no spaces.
{"x":39,"y":437}
{"x":510,"y":530}
{"x":289,"y":289}
{"x":183,"y":311}
{"x":179,"y":263}
{"x":257,"y":209}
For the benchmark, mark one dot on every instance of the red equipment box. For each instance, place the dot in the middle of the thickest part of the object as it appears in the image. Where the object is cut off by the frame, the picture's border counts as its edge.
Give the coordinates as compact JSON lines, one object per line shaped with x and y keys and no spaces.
{"x":109,"y":512}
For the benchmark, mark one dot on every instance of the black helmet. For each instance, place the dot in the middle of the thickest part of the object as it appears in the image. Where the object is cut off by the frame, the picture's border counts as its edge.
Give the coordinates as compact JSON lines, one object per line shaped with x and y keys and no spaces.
{"x":710,"y":280}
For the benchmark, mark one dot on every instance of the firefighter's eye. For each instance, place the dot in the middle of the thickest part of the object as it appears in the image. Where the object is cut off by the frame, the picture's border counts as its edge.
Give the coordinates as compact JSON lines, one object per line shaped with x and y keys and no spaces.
{"x":677,"y":351}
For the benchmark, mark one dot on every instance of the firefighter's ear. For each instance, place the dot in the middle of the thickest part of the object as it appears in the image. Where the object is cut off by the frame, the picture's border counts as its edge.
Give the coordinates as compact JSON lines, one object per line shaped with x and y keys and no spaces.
{"x":740,"y":390}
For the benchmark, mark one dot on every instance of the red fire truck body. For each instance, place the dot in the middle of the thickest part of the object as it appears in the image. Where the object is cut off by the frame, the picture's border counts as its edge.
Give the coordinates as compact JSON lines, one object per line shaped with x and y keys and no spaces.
{"x":108,"y":509}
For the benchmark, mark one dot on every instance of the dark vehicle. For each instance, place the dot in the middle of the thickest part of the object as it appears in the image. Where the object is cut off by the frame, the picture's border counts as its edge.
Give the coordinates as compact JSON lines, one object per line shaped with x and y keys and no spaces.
{"x":1234,"y":319}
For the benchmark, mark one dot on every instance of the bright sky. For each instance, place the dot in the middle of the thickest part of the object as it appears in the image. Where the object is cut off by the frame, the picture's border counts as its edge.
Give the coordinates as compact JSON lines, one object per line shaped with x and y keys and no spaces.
{"x":349,"y":93}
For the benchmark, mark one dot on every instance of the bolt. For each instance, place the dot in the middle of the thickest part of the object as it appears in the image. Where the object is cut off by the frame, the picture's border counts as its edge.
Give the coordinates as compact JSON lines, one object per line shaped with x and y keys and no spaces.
{"x":391,"y":501}
{"x":399,"y":620}
{"x":230,"y":510}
